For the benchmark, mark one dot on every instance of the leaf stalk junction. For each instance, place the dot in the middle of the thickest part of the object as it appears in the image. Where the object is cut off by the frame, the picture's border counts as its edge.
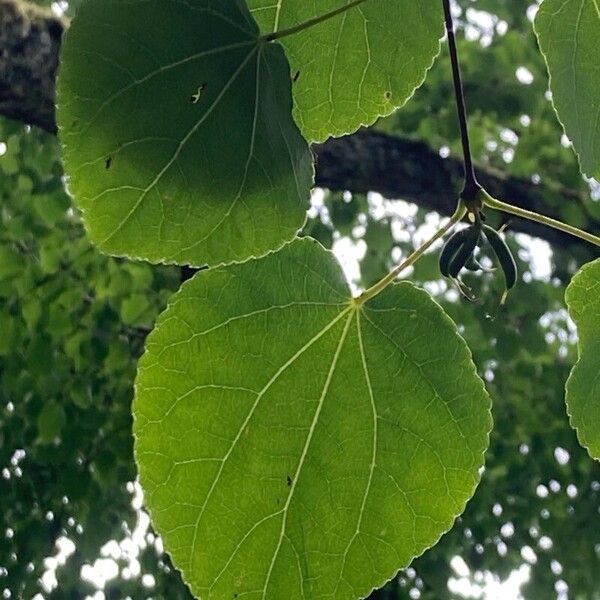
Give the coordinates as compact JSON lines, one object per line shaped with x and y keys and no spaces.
{"x":473,"y":198}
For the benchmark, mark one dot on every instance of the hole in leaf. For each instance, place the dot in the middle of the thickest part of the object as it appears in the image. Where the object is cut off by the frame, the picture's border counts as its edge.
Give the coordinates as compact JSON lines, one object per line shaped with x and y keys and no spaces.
{"x":195,"y":98}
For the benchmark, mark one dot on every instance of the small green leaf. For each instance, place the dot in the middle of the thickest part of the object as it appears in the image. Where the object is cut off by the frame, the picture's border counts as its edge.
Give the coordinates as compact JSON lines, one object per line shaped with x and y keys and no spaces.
{"x":583,"y":385}
{"x":133,"y":309}
{"x":358,"y":66}
{"x":568,"y":33}
{"x":11,"y":262}
{"x":293,"y":443}
{"x":50,"y":422}
{"x":178,"y":136}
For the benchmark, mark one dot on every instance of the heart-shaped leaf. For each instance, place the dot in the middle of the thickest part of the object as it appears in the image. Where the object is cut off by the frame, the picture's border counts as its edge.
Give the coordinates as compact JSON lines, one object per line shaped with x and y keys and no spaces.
{"x":295,"y":443}
{"x":178,"y":137}
{"x":568,"y":33}
{"x":583,"y":386}
{"x":359,"y":66}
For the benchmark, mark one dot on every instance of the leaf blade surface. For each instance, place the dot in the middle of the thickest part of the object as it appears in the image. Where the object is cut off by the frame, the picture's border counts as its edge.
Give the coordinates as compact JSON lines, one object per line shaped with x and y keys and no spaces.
{"x":358,"y":66}
{"x":568,"y":31}
{"x":177,"y":131}
{"x":583,"y":385}
{"x":293,"y":443}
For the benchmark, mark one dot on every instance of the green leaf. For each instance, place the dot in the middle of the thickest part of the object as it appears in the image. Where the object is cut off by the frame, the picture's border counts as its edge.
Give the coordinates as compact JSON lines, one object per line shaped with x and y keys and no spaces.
{"x":11,"y":262}
{"x":178,"y":137}
{"x":568,"y":32}
{"x":293,"y":443}
{"x":134,"y":308}
{"x":50,"y":422}
{"x":358,"y":66}
{"x":583,"y":385}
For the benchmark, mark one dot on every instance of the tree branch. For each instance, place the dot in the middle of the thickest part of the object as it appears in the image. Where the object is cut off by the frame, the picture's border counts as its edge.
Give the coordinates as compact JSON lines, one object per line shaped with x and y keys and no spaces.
{"x":366,"y":161}
{"x":29,"y":44}
{"x":412,"y":171}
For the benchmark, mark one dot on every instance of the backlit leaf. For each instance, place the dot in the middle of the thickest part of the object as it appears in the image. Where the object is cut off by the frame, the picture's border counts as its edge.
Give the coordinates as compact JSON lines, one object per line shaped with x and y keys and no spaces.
{"x":583,"y":386}
{"x":358,"y":66}
{"x":293,"y":443}
{"x":178,"y":137}
{"x":568,"y":32}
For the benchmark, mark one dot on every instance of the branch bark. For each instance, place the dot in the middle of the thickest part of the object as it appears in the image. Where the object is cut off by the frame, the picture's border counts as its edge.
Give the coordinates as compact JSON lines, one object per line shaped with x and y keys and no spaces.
{"x":366,"y":161}
{"x":411,"y":170}
{"x":29,"y":43}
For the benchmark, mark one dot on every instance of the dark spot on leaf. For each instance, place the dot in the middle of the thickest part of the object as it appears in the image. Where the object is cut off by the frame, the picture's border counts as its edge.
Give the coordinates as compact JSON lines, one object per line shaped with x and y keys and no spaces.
{"x":295,"y":77}
{"x":388,"y":95}
{"x":108,"y":162}
{"x":289,"y":481}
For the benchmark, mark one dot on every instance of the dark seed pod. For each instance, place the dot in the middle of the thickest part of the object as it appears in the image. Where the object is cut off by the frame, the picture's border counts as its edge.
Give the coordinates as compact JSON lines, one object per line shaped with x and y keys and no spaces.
{"x":465,"y":251}
{"x":472,"y":264}
{"x":450,"y":249}
{"x":504,"y":255}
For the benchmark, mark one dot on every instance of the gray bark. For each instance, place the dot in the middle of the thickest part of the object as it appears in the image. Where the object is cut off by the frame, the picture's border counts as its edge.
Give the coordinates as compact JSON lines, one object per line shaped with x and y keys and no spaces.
{"x":29,"y":44}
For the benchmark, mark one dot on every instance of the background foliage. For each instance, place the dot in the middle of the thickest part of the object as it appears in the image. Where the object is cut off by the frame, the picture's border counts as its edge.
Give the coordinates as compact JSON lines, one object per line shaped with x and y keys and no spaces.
{"x":73,"y":322}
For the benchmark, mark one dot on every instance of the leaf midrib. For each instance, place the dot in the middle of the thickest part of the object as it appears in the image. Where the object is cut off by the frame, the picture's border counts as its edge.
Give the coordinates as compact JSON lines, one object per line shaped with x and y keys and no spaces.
{"x":307,"y":443}
{"x":361,"y":512}
{"x":271,"y":381}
